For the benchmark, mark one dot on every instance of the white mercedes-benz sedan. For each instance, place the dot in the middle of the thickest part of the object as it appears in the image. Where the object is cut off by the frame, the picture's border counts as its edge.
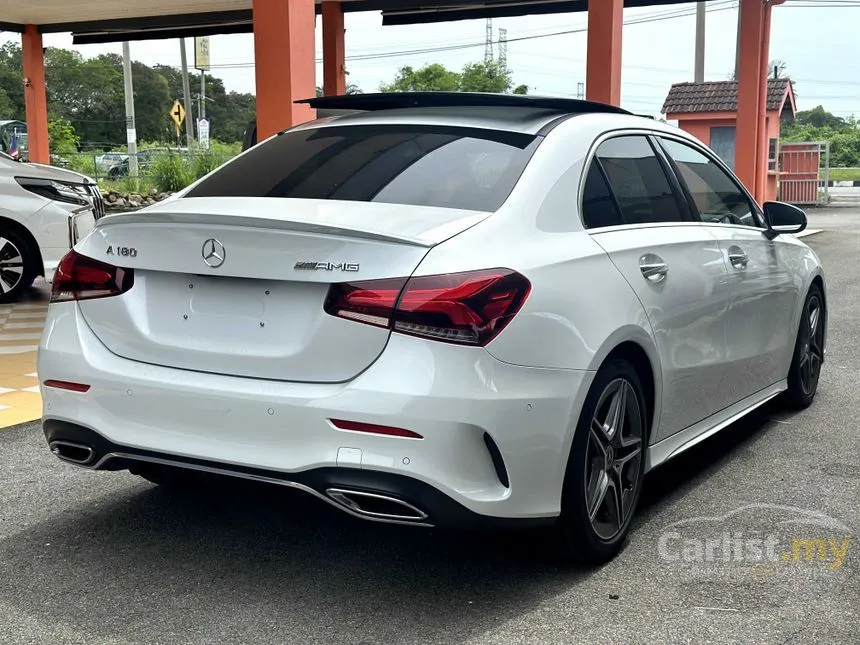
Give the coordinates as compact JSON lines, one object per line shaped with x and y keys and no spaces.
{"x":441,"y":309}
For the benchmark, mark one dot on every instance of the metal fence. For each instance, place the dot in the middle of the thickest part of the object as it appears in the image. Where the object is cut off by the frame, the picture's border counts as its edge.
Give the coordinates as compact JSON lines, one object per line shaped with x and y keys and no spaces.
{"x":804,"y":172}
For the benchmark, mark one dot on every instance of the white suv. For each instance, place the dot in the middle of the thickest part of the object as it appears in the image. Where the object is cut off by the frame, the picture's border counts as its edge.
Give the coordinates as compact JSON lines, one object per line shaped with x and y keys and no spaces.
{"x":44,"y":211}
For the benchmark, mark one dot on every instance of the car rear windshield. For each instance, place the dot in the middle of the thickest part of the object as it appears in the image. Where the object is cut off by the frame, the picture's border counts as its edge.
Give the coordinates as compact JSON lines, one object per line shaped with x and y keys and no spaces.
{"x":464,"y":168}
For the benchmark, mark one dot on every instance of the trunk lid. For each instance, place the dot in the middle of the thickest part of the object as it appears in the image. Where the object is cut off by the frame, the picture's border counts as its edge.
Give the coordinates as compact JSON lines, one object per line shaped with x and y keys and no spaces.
{"x":256,"y":308}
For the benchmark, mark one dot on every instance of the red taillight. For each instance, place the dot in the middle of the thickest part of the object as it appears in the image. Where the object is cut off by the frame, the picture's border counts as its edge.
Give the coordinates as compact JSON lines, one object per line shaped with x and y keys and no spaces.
{"x":372,"y":428}
{"x":67,"y":385}
{"x":81,"y":278}
{"x":370,"y":302}
{"x":469,"y":308}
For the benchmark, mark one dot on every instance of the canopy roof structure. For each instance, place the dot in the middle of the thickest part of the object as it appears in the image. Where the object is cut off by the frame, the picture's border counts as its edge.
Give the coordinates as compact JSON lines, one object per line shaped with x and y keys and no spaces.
{"x":119,"y":20}
{"x":284,"y":34}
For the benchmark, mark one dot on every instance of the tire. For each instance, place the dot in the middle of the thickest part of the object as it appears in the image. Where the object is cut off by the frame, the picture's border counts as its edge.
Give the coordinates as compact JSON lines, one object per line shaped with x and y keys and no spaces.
{"x":808,"y":357}
{"x":579,"y":537}
{"x":18,"y":266}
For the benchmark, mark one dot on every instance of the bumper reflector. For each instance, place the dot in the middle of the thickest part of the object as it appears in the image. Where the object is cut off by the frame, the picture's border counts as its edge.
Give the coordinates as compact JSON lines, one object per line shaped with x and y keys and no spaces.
{"x":67,"y":385}
{"x":371,"y":428}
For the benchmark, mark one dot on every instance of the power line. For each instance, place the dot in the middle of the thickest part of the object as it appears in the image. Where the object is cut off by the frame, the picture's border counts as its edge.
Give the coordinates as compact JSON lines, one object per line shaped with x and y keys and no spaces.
{"x":720,"y":5}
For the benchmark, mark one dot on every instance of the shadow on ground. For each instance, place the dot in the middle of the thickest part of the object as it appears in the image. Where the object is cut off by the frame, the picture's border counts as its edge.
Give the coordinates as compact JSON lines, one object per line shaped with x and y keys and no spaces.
{"x":148,"y":565}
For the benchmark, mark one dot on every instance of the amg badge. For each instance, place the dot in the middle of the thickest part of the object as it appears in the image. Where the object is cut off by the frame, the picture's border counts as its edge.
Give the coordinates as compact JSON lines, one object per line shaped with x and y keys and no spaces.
{"x":326,"y":266}
{"x":124,"y":251}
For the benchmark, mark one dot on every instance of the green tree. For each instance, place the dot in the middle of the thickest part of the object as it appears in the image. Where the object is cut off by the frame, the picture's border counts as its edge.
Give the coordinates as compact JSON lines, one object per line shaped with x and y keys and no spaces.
{"x":11,"y":85}
{"x":7,"y":107}
{"x":818,"y":124}
{"x":152,"y":102}
{"x":62,"y":137}
{"x":88,"y":93}
{"x":485,"y":76}
{"x":818,"y":117}
{"x":430,"y":78}
{"x":228,"y":112}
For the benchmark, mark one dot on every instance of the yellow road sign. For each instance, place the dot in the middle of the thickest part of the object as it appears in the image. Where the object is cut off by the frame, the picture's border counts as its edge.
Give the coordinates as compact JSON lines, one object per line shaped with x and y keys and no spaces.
{"x":177,"y":113}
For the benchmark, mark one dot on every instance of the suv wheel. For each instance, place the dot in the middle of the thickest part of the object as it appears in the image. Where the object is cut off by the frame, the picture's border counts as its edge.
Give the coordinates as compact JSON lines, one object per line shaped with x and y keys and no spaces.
{"x":17,"y":266}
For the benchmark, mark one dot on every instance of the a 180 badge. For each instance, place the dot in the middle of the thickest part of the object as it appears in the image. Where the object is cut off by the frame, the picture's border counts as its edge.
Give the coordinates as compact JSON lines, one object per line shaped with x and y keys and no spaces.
{"x":122,"y":251}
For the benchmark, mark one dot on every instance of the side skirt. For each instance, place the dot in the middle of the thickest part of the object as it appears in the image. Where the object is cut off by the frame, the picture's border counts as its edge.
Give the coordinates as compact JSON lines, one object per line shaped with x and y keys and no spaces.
{"x":664,"y":450}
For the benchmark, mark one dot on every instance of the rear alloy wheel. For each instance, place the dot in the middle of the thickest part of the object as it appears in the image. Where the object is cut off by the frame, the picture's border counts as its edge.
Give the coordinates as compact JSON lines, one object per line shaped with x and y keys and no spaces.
{"x":17,"y":266}
{"x":808,"y":352}
{"x":606,"y":466}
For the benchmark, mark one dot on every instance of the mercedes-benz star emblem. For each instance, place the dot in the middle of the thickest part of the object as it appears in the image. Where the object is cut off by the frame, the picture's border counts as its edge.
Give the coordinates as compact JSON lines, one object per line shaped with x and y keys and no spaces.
{"x":213,"y":253}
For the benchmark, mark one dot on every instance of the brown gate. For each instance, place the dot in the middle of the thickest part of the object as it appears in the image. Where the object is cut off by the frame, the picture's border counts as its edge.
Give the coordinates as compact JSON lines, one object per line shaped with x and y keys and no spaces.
{"x":804,"y":170}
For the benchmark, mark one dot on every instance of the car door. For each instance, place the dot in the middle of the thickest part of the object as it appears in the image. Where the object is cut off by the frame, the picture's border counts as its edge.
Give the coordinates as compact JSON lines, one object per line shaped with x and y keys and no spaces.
{"x":635,"y":210}
{"x":765,"y":289}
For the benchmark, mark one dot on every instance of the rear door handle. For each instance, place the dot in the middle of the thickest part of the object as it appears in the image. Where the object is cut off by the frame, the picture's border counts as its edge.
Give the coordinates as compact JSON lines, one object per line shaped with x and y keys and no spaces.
{"x":653,"y":267}
{"x":738,"y":258}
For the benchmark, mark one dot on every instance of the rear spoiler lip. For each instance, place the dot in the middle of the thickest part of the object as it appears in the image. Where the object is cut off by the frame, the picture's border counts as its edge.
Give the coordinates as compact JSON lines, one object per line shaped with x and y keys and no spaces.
{"x":253,"y":222}
{"x":428,"y":239}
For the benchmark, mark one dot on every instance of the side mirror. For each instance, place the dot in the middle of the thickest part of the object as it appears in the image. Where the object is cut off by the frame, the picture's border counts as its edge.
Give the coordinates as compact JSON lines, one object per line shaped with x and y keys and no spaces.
{"x":783,"y":218}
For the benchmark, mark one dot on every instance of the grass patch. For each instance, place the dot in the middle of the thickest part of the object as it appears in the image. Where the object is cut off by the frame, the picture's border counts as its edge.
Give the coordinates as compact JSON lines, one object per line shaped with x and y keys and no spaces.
{"x":140,"y":186}
{"x":845,"y":174}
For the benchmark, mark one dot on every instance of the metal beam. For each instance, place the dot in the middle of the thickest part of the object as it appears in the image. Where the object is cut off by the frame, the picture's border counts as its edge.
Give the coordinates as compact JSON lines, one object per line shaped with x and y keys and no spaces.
{"x":394,"y":12}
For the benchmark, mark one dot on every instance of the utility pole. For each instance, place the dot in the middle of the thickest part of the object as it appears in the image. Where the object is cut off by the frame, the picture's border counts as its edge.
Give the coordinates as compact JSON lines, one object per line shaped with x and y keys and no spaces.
{"x":700,"y":42}
{"x":186,"y":89}
{"x":130,"y":128}
{"x":202,"y":109}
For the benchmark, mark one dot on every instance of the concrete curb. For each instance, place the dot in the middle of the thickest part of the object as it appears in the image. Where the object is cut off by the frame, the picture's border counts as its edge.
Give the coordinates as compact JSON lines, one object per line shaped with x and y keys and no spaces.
{"x":808,"y":232}
{"x":854,"y":183}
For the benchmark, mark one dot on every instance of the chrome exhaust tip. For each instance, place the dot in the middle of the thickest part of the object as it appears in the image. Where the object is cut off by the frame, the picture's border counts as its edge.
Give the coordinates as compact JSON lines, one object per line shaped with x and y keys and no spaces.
{"x":75,"y":453}
{"x":376,"y":505}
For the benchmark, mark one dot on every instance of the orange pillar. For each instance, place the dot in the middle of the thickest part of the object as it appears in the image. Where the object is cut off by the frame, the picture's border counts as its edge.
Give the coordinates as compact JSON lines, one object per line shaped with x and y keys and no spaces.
{"x":603,"y":65}
{"x":752,"y":24}
{"x":35,"y":98}
{"x":764,"y":131}
{"x":334,"y":51}
{"x":764,"y":74}
{"x":284,"y":61}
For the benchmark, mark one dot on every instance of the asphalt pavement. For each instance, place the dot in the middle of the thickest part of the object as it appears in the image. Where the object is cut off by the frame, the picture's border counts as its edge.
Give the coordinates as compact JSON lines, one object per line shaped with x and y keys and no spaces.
{"x":106,"y":558}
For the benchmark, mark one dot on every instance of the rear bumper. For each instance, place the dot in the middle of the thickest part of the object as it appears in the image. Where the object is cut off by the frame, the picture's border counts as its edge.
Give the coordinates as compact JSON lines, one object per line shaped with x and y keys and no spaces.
{"x":408,"y":501}
{"x":454,"y":397}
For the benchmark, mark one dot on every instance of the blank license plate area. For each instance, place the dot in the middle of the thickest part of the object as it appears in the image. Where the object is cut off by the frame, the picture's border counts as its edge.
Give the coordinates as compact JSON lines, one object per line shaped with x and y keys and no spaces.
{"x":238,"y":316}
{"x":229,"y":297}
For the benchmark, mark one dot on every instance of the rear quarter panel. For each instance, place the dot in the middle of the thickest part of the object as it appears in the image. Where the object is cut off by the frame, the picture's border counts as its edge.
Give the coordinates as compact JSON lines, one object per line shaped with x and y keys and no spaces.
{"x":804,"y":266}
{"x":580,"y":307}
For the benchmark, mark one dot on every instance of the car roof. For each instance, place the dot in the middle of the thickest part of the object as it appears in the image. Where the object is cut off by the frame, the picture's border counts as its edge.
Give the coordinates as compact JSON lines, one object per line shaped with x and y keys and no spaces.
{"x":507,"y":112}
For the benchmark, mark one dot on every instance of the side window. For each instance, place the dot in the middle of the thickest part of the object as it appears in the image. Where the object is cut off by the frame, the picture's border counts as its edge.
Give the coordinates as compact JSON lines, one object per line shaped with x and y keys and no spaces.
{"x":638,"y":181}
{"x":598,"y":205}
{"x":718,"y":197}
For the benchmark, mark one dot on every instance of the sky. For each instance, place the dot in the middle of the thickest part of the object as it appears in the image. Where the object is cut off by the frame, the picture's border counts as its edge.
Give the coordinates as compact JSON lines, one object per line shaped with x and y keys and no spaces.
{"x":818,"y":44}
